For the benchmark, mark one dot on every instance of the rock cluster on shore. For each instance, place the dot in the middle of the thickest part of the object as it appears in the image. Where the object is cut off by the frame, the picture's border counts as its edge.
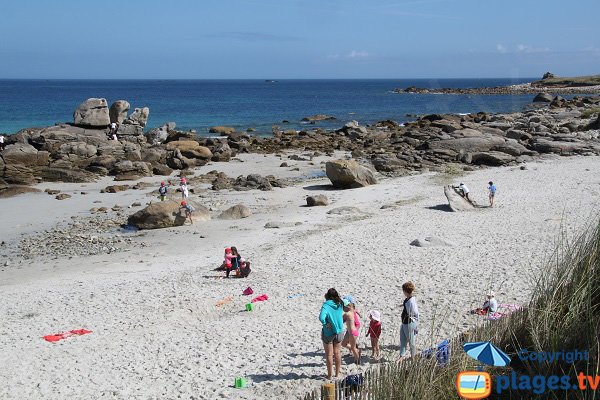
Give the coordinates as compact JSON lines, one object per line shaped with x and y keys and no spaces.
{"x":70,"y":153}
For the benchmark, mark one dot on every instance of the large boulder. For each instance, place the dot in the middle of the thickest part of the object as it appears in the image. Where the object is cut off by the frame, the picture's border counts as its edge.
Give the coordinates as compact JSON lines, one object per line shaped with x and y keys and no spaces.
{"x":238,"y":211}
{"x":543,"y":98}
{"x":348,"y":174}
{"x":456,"y":201}
{"x":25,"y":154}
{"x":471,"y":144}
{"x":92,"y":112}
{"x":80,"y":149}
{"x":190,"y":149}
{"x":317,"y":200}
{"x":131,"y":170}
{"x":492,"y":158}
{"x":166,"y":214}
{"x":118,"y":111}
{"x":158,"y":135}
{"x":222,"y":130}
{"x":221,"y":152}
{"x":54,"y":174}
{"x":18,"y":174}
{"x":139,"y":116}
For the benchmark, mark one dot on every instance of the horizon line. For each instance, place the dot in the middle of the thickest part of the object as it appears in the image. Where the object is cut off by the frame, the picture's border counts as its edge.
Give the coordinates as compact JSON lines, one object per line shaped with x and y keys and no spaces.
{"x":258,"y":79}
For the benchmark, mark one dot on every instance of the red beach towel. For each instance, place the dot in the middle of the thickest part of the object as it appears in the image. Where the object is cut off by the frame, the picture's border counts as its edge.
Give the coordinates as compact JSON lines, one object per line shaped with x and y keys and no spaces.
{"x":262,"y":297}
{"x":60,"y":336}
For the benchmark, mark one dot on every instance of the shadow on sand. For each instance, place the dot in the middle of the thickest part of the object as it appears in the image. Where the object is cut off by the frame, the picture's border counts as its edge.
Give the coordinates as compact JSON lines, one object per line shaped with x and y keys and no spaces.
{"x":319,"y":187}
{"x":440,"y":207}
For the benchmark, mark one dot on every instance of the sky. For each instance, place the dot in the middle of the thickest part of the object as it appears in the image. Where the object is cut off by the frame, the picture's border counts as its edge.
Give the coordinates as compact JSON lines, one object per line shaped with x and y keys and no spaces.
{"x":297,"y":39}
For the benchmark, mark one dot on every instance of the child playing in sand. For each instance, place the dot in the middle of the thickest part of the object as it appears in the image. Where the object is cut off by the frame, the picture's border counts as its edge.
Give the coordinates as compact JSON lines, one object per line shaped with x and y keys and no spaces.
{"x":350,"y":318}
{"x":188,"y":210}
{"x":227,"y":263}
{"x":374,"y":332}
{"x":162,"y":191}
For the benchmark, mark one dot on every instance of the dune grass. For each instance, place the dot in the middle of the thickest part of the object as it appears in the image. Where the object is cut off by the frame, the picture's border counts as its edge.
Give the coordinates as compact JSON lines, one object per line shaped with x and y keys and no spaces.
{"x":562,"y":315}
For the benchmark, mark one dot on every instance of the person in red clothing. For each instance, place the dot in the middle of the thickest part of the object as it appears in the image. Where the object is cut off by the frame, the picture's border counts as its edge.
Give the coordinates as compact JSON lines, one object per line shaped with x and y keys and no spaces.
{"x":227,"y":261}
{"x":374,"y":332}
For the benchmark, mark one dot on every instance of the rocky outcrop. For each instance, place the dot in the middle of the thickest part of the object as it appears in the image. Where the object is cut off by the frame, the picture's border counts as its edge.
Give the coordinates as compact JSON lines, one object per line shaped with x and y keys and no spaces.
{"x":456,"y":201}
{"x":222,"y":130}
{"x":160,"y":135}
{"x":11,"y":191}
{"x":118,"y":111}
{"x":348,"y":174}
{"x":93,"y":113}
{"x":166,"y":214}
{"x":318,"y":117}
{"x":138,"y":117}
{"x":543,"y":98}
{"x":238,"y":211}
{"x":317,"y":200}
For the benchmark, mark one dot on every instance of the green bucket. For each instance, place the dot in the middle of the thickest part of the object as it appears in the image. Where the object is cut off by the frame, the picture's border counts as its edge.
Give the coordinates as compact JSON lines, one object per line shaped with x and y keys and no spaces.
{"x":240,"y":382}
{"x":250,"y":307}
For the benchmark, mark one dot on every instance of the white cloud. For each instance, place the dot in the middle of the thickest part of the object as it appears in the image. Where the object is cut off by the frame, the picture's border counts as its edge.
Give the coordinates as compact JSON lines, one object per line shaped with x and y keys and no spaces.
{"x":523,"y":48}
{"x":357,"y":54}
{"x":500,"y":48}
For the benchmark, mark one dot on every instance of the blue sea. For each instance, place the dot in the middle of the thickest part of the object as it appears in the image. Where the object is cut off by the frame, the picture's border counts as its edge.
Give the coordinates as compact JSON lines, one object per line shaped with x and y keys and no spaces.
{"x":200,"y":104}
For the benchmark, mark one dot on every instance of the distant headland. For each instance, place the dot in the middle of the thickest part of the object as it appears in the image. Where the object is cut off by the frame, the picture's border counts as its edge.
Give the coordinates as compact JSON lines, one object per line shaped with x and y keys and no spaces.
{"x":549,"y":83}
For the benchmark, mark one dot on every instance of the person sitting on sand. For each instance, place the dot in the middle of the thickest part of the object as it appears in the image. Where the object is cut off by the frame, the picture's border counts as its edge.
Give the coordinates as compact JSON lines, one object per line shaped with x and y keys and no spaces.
{"x":410,"y":319}
{"x":492,"y":190}
{"x":227,"y":262}
{"x":162,"y":191}
{"x":489,"y":306}
{"x":352,"y":322}
{"x":374,"y":332}
{"x":188,"y":210}
{"x":332,"y":333}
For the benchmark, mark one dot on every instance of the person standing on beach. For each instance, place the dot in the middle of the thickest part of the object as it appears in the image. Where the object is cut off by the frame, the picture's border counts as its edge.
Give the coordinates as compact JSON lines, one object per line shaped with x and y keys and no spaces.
{"x":410,"y":319}
{"x":492,"y":190}
{"x":184,"y":190}
{"x":350,"y":340}
{"x":162,"y":191}
{"x":332,"y":332}
{"x":374,"y":332}
{"x":1,"y":142}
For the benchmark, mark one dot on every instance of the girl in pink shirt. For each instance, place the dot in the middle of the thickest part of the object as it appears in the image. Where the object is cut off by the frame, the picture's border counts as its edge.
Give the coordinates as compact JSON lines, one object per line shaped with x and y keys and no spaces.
{"x":227,"y":262}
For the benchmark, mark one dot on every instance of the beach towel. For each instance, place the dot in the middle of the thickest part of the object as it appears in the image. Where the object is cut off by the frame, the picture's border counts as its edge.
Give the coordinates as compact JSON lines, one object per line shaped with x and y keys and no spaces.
{"x":262,"y":297}
{"x":224,"y":301}
{"x":60,"y":336}
{"x":248,"y":291}
{"x":503,"y":310}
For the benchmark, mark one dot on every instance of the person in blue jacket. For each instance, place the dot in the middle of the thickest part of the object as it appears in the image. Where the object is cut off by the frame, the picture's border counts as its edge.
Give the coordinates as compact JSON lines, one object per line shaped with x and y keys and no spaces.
{"x":332,"y":333}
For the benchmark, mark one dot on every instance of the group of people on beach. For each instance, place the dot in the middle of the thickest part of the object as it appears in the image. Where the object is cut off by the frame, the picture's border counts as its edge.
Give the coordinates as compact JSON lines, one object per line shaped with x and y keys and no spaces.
{"x":464,"y":192}
{"x":341,"y":323}
{"x":163,"y":190}
{"x":234,"y":263}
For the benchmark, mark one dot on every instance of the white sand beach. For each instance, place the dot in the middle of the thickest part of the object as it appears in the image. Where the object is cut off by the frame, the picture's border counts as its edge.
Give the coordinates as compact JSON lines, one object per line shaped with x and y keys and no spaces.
{"x":157,"y":332}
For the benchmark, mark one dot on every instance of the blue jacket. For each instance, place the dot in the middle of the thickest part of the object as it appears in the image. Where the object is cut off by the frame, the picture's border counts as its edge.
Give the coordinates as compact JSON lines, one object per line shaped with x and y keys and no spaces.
{"x":331,"y":318}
